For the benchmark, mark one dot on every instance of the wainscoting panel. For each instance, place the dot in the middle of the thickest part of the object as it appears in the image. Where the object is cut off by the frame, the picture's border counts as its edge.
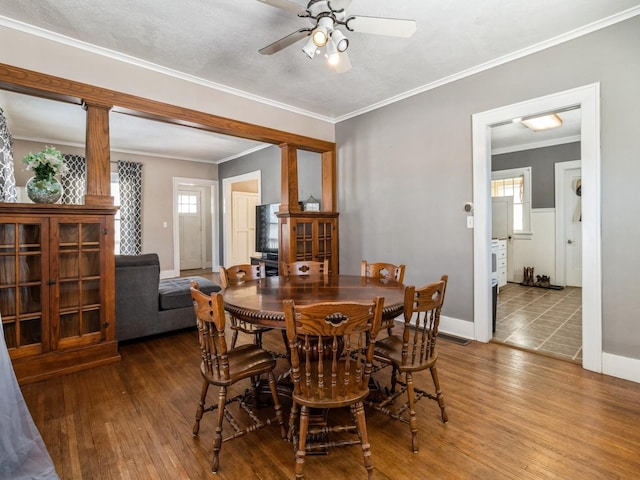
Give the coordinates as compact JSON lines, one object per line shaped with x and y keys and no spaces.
{"x":539,"y":251}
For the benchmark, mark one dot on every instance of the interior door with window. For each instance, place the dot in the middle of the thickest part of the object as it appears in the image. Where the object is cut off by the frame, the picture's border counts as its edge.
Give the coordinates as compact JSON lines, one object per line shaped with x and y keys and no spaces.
{"x":191,"y":229}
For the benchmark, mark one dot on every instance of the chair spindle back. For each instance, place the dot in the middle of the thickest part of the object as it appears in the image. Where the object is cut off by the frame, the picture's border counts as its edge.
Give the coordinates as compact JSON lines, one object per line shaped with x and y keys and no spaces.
{"x":425,"y":303}
{"x":210,"y":320}
{"x":332,"y":343}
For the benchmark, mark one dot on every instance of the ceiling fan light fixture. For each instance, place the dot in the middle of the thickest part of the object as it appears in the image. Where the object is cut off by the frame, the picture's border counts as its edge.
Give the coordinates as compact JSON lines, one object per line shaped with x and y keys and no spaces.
{"x":340,"y":40}
{"x":319,"y":37}
{"x":310,"y":48}
{"x":544,"y":122}
{"x":320,"y":34}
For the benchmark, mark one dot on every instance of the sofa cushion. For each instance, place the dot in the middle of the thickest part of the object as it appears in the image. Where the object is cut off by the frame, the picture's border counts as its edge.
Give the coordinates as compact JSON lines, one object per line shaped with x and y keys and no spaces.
{"x":144,"y":260}
{"x":175,"y":293}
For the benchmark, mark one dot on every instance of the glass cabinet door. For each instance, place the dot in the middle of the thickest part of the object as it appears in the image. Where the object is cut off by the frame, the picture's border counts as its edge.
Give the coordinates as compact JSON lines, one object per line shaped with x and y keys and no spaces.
{"x":76,"y":297}
{"x":23,"y":303}
{"x":304,"y":240}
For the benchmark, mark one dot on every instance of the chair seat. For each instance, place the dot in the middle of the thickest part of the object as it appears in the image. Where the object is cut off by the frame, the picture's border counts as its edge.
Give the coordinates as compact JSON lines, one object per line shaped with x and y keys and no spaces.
{"x":314,"y":395}
{"x":244,"y":361}
{"x":390,"y":349}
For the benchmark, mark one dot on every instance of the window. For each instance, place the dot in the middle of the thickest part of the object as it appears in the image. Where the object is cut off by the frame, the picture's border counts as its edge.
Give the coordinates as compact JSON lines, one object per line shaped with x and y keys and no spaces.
{"x":516,"y":183}
{"x":187,"y":203}
{"x":115,"y":193}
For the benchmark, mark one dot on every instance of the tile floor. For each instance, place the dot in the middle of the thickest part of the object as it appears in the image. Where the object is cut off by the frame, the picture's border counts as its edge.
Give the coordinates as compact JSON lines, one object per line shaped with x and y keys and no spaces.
{"x":546,"y":321}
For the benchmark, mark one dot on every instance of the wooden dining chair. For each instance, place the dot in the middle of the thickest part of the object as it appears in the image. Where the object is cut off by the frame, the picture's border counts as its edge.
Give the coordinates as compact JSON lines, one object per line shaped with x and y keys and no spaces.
{"x":237,"y":275}
{"x":223,"y":368}
{"x":331,"y":348}
{"x":384,"y":270}
{"x":415,"y":351}
{"x":387,"y":271}
{"x":305,"y":267}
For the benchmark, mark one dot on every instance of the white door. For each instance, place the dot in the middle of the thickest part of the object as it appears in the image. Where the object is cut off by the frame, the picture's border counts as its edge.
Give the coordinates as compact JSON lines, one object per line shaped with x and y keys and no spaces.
{"x":190,"y":228}
{"x":243,"y":230}
{"x":502,"y":227}
{"x":573,"y":226}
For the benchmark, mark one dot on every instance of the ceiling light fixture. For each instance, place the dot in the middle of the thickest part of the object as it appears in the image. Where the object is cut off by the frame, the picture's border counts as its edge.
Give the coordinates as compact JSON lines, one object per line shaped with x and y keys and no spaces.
{"x":341,"y":41}
{"x":320,"y":34}
{"x":326,"y":16}
{"x":544,"y":122}
{"x":310,"y":48}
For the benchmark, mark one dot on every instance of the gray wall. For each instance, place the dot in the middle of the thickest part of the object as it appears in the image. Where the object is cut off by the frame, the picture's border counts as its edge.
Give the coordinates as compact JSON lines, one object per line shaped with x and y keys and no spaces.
{"x":542,"y":162}
{"x":405,"y":171}
{"x":268,"y":162}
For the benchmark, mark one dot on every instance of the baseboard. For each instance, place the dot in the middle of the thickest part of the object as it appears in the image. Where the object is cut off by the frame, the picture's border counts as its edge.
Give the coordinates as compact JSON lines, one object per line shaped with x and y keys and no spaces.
{"x":621,"y":367}
{"x":169,"y":274}
{"x":456,"y":327}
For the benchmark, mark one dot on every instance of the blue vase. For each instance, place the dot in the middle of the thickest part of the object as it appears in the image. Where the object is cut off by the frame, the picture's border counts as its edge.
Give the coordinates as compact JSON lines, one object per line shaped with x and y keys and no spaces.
{"x":44,"y":190}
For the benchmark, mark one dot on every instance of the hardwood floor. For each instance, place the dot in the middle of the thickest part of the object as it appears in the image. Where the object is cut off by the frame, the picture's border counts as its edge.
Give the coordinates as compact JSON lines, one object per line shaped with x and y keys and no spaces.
{"x":512,"y":415}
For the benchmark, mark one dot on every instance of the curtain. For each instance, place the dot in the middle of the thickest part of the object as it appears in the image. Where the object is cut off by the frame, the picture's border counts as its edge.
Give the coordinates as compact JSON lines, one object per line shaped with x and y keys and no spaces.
{"x":8,"y":191}
{"x":130,"y":186}
{"x":74,"y":180}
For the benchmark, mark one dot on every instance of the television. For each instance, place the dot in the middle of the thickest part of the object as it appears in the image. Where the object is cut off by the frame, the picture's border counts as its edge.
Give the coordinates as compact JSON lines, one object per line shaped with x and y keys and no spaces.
{"x":267,"y":229}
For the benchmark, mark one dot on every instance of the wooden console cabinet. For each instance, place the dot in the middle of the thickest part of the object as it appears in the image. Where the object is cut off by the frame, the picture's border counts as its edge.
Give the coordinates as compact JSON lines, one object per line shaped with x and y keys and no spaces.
{"x":309,"y":236}
{"x":57,"y":288}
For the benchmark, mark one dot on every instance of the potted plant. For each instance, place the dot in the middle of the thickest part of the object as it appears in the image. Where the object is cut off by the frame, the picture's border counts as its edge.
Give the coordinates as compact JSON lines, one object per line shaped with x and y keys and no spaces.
{"x":43,"y":187}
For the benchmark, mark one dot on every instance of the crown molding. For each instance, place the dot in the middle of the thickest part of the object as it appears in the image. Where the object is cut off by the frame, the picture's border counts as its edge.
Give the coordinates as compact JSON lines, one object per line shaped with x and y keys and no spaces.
{"x":573,"y":34}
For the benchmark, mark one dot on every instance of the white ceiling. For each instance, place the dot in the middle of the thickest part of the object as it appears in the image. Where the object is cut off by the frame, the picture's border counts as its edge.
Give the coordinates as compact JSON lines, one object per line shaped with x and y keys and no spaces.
{"x":218,"y":42}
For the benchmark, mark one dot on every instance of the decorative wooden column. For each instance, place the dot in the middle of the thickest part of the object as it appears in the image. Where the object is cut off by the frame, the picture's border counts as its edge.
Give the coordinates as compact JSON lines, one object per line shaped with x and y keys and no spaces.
{"x":329,"y":196}
{"x":98,"y":153}
{"x":289,"y":179}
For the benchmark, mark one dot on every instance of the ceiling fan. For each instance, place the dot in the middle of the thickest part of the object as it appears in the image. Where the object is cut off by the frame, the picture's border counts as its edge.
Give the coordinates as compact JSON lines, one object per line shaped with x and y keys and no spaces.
{"x":326,"y":16}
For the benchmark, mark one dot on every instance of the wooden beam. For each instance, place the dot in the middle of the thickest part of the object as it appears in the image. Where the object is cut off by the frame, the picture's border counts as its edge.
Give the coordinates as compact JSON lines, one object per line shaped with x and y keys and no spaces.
{"x":27,"y":81}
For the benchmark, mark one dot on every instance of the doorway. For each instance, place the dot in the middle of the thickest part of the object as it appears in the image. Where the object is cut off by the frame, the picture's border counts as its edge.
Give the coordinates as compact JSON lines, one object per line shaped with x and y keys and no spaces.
{"x":537,"y":310}
{"x":235,"y":228}
{"x":206,"y":193}
{"x":191,"y":221}
{"x":243,"y":224}
{"x":586,"y":98}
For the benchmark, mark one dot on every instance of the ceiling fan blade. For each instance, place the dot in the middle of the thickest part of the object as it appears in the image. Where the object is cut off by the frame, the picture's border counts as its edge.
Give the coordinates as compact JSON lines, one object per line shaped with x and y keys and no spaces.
{"x":285,"y":41}
{"x":394,"y":27}
{"x":338,"y":5}
{"x":344,"y":64}
{"x":286,"y":5}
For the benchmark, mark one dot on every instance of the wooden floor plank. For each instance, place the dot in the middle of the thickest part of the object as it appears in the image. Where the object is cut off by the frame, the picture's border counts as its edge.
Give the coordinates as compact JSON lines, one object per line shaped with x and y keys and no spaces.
{"x":512,"y":415}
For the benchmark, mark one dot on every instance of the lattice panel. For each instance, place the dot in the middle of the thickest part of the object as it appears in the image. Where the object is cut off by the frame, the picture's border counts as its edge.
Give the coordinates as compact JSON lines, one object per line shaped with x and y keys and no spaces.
{"x":8,"y":191}
{"x":130,"y":181}
{"x":74,"y":180}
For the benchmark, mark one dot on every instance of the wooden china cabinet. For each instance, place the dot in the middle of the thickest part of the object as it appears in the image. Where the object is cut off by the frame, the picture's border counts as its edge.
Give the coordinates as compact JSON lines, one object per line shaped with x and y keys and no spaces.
{"x":56,"y":288}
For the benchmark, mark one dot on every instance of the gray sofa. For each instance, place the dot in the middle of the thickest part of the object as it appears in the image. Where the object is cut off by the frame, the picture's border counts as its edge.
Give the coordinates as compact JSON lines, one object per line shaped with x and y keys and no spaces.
{"x":146,"y":305}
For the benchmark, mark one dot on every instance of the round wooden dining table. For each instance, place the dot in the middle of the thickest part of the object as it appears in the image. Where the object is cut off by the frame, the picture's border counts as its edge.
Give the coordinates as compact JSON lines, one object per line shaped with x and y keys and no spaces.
{"x":260,"y":301}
